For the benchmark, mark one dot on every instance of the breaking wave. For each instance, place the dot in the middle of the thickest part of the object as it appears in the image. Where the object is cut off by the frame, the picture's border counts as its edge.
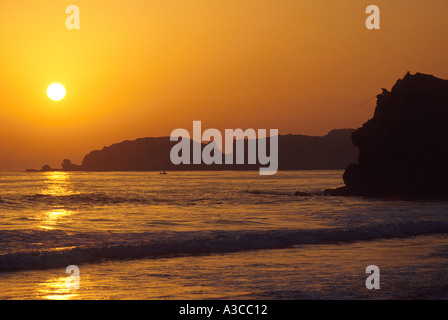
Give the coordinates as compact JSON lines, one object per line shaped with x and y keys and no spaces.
{"x":96,"y":247}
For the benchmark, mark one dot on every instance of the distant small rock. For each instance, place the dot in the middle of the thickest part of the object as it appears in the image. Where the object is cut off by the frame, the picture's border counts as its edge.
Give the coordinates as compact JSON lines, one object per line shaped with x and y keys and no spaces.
{"x":67,"y":165}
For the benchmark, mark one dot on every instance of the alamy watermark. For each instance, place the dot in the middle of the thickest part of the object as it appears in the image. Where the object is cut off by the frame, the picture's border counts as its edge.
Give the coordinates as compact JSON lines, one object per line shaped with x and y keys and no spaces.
{"x":72,"y":22}
{"x":212,"y":153}
{"x":373,"y":280}
{"x":72,"y":281}
{"x":372,"y":21}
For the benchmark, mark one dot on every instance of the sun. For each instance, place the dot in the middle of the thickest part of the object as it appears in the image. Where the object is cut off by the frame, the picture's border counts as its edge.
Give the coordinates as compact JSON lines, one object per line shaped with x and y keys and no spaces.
{"x":56,"y":91}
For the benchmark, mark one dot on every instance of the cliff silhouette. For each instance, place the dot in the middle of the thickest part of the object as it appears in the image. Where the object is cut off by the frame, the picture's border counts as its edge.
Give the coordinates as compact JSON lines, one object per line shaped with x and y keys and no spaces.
{"x":403,"y":149}
{"x":296,"y":152}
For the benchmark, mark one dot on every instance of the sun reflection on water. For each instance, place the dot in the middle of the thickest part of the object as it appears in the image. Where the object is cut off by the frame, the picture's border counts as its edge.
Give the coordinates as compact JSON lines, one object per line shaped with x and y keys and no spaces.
{"x":57,"y":183}
{"x":50,"y":219}
{"x":56,"y":289}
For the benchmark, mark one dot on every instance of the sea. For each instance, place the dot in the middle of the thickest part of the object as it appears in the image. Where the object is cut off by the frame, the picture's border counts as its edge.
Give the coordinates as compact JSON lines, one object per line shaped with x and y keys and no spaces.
{"x":214,"y":235}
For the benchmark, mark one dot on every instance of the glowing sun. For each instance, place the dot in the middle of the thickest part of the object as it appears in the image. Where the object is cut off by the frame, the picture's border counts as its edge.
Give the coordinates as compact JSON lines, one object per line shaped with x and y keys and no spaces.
{"x":56,"y":91}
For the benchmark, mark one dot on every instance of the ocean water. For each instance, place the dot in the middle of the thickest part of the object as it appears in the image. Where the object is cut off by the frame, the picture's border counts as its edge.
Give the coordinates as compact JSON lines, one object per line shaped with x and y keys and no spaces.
{"x":214,"y":235}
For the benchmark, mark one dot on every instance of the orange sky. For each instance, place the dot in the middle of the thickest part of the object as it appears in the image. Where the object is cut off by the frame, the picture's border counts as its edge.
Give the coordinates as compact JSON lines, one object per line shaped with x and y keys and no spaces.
{"x":140,"y":68}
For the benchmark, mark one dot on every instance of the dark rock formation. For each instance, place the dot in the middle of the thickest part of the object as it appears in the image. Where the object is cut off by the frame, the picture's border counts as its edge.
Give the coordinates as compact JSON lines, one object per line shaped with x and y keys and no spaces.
{"x":46,"y":167}
{"x":403,"y":149}
{"x":301,"y":194}
{"x":67,"y":165}
{"x":143,"y":154}
{"x":296,"y":152}
{"x":332,"y":151}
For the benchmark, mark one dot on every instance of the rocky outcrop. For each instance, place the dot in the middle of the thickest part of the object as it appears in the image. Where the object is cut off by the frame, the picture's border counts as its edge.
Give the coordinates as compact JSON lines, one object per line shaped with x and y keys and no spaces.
{"x":403,"y":149}
{"x":330,"y":152}
{"x":67,"y":165}
{"x":296,"y":152}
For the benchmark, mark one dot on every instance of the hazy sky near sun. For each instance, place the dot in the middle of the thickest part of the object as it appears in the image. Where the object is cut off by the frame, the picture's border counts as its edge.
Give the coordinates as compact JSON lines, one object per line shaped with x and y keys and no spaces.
{"x":140,"y":68}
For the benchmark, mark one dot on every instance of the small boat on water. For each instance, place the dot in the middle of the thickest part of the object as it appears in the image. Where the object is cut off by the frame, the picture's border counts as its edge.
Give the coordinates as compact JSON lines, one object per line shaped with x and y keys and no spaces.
{"x":163,"y":172}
